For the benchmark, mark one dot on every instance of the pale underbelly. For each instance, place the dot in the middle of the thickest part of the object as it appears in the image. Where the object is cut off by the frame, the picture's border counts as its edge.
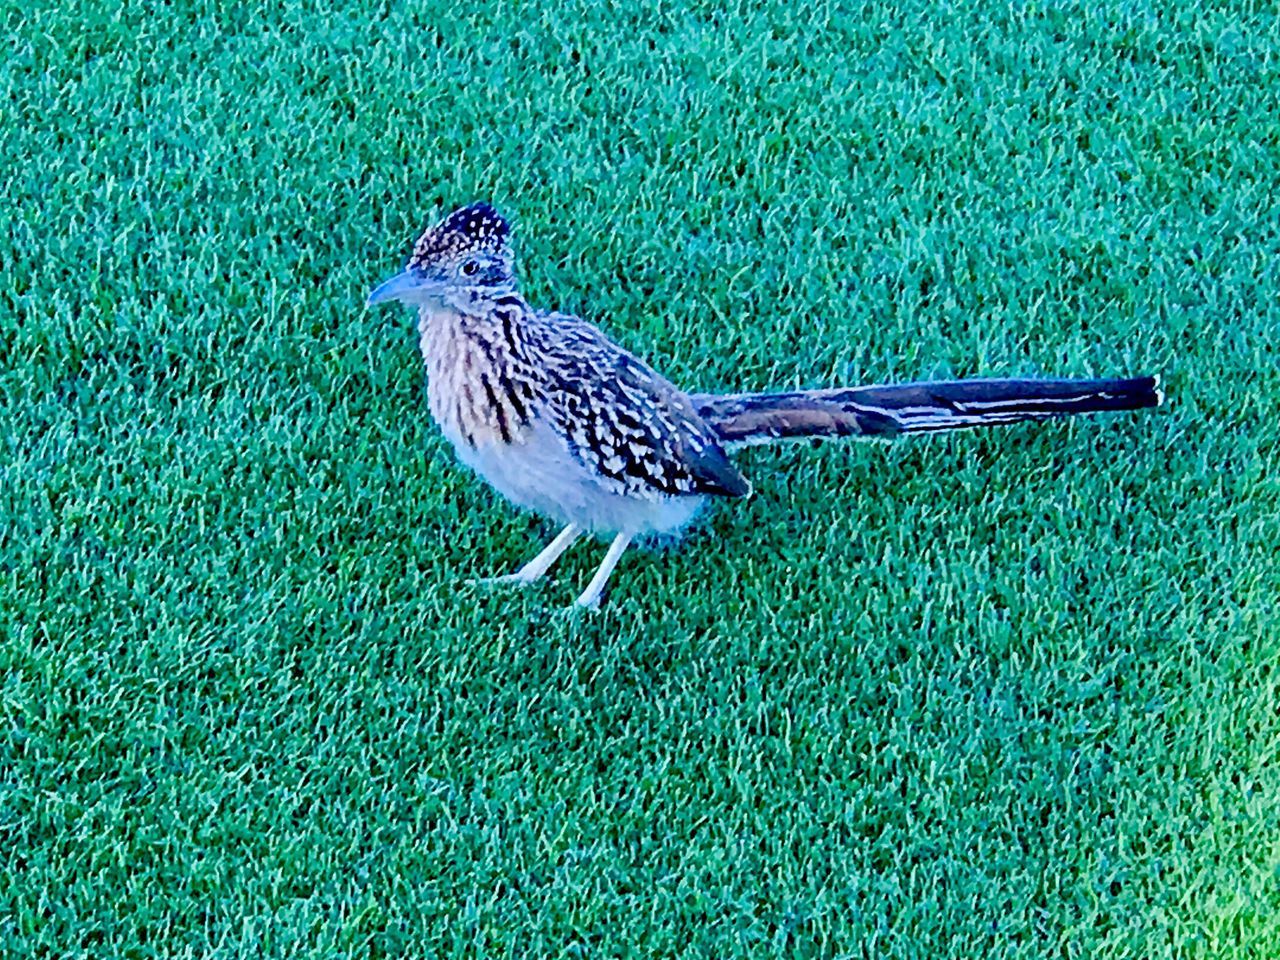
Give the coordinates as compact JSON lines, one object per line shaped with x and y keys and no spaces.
{"x":537,"y":472}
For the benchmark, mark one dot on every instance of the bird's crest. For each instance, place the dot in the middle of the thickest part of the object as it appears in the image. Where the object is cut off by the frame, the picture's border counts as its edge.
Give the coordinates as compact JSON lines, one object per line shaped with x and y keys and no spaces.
{"x":477,"y":226}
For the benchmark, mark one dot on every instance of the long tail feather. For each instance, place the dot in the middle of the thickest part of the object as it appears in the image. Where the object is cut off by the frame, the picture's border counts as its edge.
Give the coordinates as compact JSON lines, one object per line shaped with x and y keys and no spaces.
{"x":750,"y":418}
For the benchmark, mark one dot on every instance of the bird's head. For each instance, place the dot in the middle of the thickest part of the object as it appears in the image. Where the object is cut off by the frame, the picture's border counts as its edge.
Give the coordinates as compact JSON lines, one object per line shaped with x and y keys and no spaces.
{"x":464,"y":256}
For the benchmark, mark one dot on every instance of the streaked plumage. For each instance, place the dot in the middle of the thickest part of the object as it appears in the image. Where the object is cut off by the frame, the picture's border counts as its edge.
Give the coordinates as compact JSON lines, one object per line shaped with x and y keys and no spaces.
{"x":563,"y":421}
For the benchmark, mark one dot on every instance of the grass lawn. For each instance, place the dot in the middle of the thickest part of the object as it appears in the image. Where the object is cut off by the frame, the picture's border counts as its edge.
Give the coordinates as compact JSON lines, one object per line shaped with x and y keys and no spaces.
{"x":1001,"y":694}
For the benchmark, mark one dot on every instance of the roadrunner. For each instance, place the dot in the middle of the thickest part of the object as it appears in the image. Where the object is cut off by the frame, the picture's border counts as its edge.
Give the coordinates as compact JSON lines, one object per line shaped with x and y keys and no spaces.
{"x":563,"y":421}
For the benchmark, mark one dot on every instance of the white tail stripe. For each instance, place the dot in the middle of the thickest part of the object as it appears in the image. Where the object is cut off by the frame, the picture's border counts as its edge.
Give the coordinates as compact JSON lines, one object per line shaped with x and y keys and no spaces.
{"x":1029,"y":401}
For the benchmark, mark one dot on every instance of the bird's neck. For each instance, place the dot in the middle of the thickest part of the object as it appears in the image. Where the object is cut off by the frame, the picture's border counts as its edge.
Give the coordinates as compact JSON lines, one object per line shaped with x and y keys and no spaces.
{"x":496,"y":316}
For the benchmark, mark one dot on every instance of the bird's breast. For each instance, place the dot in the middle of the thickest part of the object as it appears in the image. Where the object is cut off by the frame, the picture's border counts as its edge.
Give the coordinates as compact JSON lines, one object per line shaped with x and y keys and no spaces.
{"x":475,"y":391}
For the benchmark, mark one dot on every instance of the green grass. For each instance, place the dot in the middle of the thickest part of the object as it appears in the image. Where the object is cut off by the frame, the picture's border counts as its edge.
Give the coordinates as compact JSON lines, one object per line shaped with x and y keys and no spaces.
{"x":1000,"y":695}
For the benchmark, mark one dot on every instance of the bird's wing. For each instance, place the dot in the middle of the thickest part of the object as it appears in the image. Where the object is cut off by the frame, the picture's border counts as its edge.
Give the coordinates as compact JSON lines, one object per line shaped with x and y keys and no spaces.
{"x":626,"y":422}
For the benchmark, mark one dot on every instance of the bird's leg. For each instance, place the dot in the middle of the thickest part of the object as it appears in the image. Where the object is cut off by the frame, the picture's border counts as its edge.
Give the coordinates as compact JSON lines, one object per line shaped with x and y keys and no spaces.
{"x":540,"y":564}
{"x":591,"y":596}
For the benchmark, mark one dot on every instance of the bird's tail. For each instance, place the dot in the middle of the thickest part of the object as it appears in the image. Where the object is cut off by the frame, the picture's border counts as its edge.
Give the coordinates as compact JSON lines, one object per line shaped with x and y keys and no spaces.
{"x":750,"y":418}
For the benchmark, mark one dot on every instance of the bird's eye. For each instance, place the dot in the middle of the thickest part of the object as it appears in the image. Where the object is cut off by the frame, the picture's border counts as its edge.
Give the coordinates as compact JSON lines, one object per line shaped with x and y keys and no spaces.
{"x":470,"y":267}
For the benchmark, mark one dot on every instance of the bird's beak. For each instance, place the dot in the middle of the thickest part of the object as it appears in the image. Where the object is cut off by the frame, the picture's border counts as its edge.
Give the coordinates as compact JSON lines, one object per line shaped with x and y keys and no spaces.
{"x":398,"y":287}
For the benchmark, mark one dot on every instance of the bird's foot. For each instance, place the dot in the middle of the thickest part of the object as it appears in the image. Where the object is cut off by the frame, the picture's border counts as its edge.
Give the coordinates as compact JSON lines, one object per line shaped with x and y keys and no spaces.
{"x":516,"y":579}
{"x":589,"y":601}
{"x":575,"y":613}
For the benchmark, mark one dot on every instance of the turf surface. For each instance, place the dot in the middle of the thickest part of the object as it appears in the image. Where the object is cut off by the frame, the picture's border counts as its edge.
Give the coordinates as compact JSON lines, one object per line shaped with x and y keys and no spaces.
{"x":1009,"y":694}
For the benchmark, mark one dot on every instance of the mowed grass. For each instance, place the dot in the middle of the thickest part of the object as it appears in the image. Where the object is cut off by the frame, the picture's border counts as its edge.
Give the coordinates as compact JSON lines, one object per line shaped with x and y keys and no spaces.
{"x":1002,"y":694}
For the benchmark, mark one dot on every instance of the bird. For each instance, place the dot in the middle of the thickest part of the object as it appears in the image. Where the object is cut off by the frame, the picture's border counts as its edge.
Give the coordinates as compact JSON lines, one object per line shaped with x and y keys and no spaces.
{"x":563,"y":421}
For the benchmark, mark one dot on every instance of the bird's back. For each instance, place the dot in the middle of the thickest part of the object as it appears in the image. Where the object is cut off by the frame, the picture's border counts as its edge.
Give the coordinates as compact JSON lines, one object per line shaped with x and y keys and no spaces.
{"x":625,"y":421}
